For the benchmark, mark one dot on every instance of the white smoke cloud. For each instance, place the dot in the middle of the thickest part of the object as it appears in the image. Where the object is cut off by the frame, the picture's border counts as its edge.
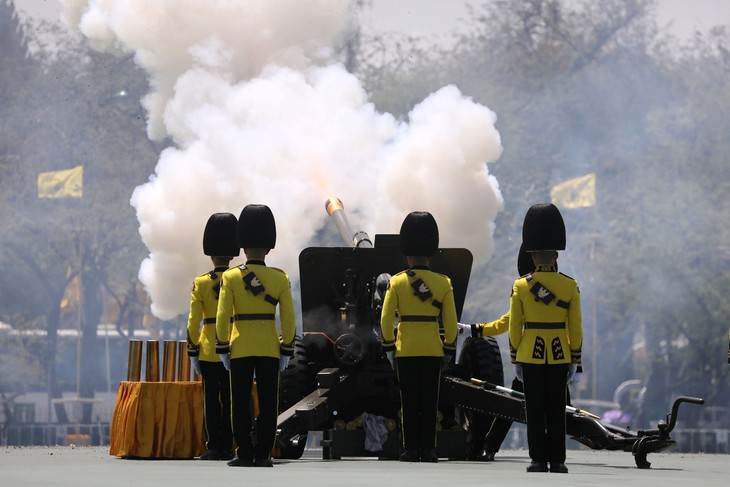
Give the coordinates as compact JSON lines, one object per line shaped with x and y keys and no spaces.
{"x":261,"y":114}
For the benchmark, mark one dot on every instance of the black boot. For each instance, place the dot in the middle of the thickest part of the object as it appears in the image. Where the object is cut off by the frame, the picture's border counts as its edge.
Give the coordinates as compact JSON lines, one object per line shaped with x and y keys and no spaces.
{"x":429,"y":455}
{"x":410,"y":456}
{"x":263,"y":462}
{"x":537,"y":467}
{"x":485,"y":456}
{"x":210,"y":455}
{"x":240,"y":462}
{"x":558,"y":468}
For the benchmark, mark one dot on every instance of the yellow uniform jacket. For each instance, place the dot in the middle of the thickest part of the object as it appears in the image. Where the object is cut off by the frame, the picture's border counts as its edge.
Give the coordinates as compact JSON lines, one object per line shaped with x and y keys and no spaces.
{"x":203,"y":308}
{"x":250,"y":294}
{"x":545,"y":319}
{"x":418,"y":297}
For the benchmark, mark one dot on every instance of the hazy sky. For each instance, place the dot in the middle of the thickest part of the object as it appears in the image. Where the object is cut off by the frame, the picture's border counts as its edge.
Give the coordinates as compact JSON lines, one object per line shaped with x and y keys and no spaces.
{"x":440,"y":16}
{"x":437,"y":17}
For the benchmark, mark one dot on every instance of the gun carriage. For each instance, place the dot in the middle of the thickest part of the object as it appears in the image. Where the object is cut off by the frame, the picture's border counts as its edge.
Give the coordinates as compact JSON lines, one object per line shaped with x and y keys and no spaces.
{"x":340,"y":371}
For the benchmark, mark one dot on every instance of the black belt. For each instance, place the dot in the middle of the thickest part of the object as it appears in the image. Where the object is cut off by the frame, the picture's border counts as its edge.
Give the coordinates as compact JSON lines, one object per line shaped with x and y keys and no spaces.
{"x":419,"y":318}
{"x":536,"y":325}
{"x":212,"y":321}
{"x":256,"y":316}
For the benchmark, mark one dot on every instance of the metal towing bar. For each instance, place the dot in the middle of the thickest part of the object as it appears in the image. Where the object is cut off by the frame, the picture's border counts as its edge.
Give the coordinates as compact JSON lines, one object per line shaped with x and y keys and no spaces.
{"x":582,"y":426}
{"x":314,"y":411}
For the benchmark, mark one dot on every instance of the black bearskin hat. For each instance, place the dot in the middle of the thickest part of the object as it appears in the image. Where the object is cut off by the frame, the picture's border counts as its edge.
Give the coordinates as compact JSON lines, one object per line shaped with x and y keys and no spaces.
{"x":219,"y":238}
{"x":256,"y":228}
{"x":524,"y":262}
{"x":419,"y":235}
{"x":543,"y":228}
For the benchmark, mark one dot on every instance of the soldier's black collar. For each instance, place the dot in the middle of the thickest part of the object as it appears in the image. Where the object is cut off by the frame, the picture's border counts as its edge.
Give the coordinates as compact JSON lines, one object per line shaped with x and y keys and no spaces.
{"x":258,"y":262}
{"x":220,"y":268}
{"x":546,"y":268}
{"x":425,"y":267}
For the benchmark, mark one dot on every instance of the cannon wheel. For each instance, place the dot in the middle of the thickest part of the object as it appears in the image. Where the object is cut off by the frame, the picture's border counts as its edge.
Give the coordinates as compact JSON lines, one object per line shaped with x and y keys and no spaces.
{"x":295,"y":382}
{"x":482,"y":360}
{"x":348,"y":349}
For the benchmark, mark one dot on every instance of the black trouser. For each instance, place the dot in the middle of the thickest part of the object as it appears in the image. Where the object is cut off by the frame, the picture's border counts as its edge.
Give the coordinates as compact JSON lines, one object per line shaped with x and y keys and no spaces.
{"x":267,"y":387}
{"x":217,"y":405}
{"x":545,"y":392}
{"x":419,"y":379}
{"x":487,"y":432}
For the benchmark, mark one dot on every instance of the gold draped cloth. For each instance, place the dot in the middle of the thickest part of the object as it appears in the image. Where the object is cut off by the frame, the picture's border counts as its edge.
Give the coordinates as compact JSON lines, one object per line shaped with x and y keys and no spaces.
{"x":158,"y":420}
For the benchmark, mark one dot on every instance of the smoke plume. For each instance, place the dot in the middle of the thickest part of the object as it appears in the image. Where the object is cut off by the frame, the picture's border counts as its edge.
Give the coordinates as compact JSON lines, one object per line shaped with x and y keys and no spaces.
{"x":260,"y":112}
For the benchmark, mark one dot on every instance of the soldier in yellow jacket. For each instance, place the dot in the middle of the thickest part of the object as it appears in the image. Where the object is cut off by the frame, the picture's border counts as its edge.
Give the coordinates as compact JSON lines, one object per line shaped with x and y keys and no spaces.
{"x":219,"y":242}
{"x":250,"y":294}
{"x":486,"y":432}
{"x":545,"y":336}
{"x":420,"y":298}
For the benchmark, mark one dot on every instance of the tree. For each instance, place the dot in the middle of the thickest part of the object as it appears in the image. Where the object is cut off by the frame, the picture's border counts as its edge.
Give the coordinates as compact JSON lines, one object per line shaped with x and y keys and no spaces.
{"x":596,"y":87}
{"x":61,"y":118}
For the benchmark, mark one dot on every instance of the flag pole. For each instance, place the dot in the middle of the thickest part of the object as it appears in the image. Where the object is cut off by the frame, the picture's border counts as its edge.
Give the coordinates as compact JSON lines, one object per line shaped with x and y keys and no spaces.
{"x":81,"y":312}
{"x":593,"y":299}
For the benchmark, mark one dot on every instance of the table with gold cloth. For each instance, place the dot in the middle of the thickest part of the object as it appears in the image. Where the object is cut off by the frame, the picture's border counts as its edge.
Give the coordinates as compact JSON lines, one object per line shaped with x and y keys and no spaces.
{"x":158,"y":420}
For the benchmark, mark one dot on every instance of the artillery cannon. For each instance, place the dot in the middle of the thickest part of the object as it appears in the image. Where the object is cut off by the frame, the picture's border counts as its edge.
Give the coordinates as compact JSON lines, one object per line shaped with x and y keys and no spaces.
{"x":340,"y":371}
{"x":342,"y":289}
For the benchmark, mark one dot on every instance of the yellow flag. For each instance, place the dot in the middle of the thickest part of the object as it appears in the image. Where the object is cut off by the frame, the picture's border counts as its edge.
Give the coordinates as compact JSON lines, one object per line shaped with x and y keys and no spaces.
{"x":575,"y":193}
{"x":71,"y":296}
{"x":61,"y":184}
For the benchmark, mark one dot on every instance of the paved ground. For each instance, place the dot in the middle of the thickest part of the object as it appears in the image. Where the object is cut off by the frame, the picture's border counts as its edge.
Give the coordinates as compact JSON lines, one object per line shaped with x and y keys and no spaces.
{"x":93,"y":466}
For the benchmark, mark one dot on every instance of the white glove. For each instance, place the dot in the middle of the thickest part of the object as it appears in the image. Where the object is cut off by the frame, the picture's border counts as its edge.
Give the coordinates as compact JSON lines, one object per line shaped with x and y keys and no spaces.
{"x":391,"y":358}
{"x":518,"y":371}
{"x":464,"y":328}
{"x":573,"y":374}
{"x":464,"y":333}
{"x":283,"y":362}
{"x":195,"y":362}
{"x":226,"y":359}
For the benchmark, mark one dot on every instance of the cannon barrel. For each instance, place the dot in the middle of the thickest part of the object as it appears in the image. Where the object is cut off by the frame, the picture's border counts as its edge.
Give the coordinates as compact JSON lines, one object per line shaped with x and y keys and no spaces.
{"x":336,"y":210}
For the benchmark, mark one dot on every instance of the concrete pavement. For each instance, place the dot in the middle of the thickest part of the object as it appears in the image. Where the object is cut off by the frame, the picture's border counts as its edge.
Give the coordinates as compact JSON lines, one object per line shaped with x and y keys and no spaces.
{"x":93,"y":466}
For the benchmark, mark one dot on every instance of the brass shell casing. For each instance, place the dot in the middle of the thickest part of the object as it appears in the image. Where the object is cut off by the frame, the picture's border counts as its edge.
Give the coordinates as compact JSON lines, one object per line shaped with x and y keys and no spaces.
{"x":134,"y":361}
{"x":152,"y":362}
{"x":183,"y":364}
{"x":169,"y":360}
